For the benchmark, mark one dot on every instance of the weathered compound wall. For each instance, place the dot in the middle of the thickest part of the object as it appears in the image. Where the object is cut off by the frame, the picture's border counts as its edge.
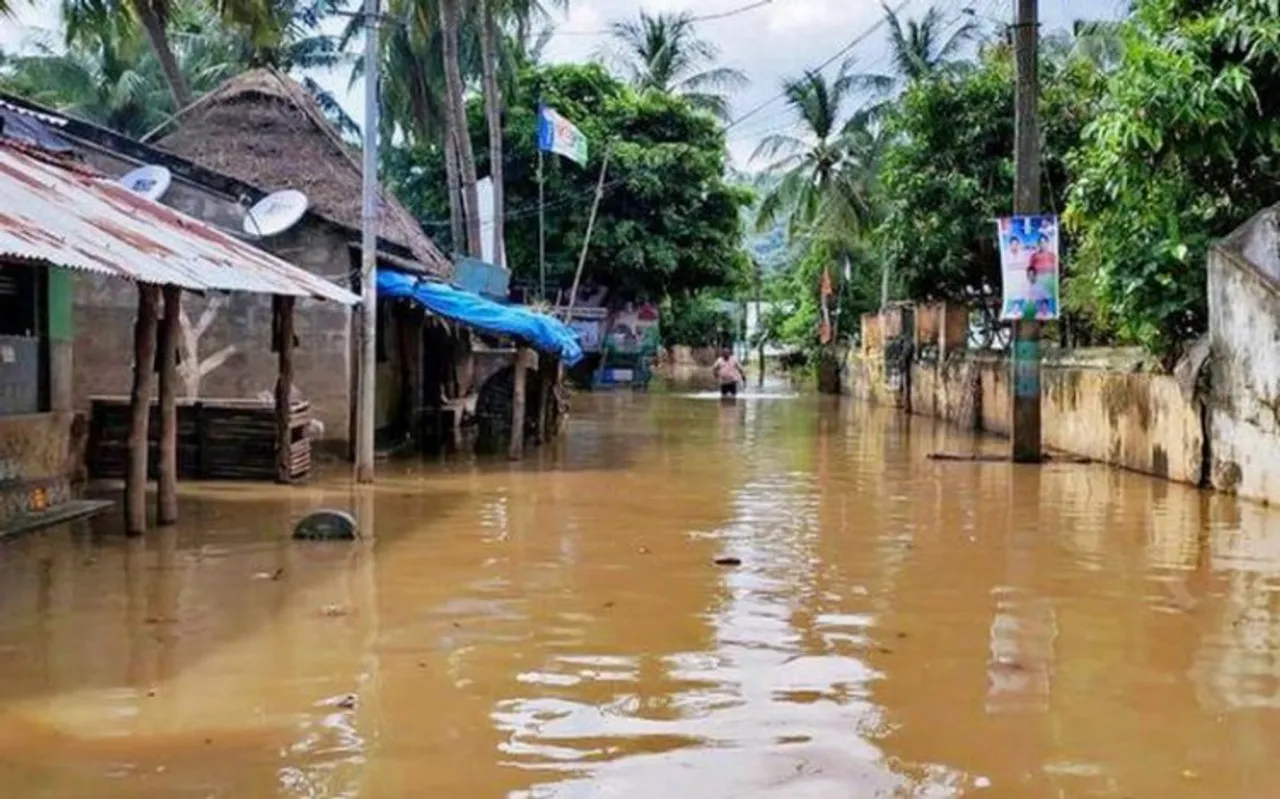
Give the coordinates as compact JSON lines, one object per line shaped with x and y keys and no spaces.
{"x":1100,"y":405}
{"x":1244,"y":339}
{"x":1111,"y":406}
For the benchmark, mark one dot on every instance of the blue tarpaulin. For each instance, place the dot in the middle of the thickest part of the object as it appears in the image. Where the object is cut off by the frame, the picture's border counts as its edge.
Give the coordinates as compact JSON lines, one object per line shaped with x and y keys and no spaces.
{"x":540,"y":331}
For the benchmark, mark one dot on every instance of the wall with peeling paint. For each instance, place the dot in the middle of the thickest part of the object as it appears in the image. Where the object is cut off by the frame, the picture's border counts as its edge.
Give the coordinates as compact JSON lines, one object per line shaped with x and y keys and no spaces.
{"x":1102,"y":405}
{"x":1244,"y":340}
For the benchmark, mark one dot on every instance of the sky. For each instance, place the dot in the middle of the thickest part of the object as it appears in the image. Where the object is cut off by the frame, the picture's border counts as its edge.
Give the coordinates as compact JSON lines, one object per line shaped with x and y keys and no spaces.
{"x":770,"y":43}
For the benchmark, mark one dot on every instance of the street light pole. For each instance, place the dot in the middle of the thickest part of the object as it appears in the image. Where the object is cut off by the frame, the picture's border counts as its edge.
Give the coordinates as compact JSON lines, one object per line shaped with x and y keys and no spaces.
{"x":365,"y":417}
{"x":1025,"y":364}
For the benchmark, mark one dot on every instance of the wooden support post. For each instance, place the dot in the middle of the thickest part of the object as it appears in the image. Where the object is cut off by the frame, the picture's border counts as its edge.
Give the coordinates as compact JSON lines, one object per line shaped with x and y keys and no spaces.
{"x":546,"y":365}
{"x":518,"y":404}
{"x":167,"y":488}
{"x":144,"y":367}
{"x":283,"y":308}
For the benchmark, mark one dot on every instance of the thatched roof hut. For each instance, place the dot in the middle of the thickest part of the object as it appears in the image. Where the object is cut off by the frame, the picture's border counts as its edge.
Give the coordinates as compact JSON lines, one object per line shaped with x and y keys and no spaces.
{"x":265,"y":129}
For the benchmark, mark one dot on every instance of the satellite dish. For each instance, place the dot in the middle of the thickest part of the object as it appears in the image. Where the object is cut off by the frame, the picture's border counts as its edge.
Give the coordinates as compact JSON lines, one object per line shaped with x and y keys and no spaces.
{"x":275,"y":213}
{"x":151,"y":181}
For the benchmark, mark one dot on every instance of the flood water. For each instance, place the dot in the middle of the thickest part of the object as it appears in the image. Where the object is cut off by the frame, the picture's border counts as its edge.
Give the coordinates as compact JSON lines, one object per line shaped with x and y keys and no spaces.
{"x":560,"y":628}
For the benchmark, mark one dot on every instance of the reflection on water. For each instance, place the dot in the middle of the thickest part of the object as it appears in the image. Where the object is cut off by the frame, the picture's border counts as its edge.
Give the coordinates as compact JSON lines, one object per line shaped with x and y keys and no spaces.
{"x":560,"y":628}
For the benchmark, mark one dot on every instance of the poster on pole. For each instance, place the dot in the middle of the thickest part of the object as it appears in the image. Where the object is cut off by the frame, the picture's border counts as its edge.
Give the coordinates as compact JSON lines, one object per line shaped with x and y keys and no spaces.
{"x":1028,"y":267}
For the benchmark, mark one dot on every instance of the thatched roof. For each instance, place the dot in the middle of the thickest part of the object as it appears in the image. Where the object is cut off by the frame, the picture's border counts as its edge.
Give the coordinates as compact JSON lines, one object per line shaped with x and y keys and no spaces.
{"x":265,"y":129}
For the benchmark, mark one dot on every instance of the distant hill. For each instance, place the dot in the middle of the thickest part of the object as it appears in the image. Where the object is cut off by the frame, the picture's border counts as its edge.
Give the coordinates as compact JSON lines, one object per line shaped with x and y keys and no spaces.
{"x":768,"y":248}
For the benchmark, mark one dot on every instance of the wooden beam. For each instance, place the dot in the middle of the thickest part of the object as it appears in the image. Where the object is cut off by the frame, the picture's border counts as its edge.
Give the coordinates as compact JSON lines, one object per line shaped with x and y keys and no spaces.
{"x":167,"y":491}
{"x":518,"y":404}
{"x":283,"y":309}
{"x":144,"y":366}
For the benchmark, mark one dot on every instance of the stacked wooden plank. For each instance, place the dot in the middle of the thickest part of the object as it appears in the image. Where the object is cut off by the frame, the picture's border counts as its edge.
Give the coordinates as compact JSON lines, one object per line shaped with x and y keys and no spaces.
{"x":217,"y":439}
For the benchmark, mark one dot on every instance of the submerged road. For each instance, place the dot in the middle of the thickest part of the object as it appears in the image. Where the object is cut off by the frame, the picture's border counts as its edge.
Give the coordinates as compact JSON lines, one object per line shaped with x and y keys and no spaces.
{"x":560,"y":628}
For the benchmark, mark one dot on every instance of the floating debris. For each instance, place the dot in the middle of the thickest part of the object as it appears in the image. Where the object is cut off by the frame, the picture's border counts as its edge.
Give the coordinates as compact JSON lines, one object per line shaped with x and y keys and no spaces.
{"x":728,"y":560}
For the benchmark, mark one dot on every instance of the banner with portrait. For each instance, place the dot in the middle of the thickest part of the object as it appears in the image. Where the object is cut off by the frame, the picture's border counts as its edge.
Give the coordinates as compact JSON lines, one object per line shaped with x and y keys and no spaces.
{"x":1028,"y":267}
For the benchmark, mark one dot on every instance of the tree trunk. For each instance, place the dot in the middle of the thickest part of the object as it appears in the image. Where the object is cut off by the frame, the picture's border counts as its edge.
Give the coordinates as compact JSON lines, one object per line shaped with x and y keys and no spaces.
{"x":493,"y":112}
{"x":167,"y":488}
{"x":158,"y":36}
{"x":453,"y":179}
{"x":450,"y":26}
{"x":144,"y":367}
{"x":283,"y":307}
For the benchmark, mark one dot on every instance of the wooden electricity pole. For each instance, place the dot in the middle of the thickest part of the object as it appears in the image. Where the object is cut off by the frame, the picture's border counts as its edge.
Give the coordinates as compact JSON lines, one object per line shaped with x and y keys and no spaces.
{"x":1025,"y":364}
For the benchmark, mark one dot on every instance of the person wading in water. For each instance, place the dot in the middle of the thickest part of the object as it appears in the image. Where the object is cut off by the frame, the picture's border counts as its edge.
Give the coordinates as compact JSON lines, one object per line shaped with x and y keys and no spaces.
{"x":729,"y":373}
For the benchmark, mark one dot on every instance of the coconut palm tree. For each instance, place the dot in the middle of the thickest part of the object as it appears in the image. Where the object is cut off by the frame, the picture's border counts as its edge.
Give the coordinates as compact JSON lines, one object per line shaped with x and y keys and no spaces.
{"x":490,"y":17}
{"x":663,"y":52}
{"x":108,"y":77}
{"x":918,"y":49}
{"x":823,"y":166}
{"x":450,"y":18}
{"x":821,"y":180}
{"x":107,"y":73}
{"x":153,"y":15}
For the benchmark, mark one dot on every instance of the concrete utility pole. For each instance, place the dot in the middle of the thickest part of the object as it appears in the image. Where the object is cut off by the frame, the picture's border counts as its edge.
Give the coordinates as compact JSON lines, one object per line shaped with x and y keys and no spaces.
{"x":365,"y":416}
{"x":1025,"y":380}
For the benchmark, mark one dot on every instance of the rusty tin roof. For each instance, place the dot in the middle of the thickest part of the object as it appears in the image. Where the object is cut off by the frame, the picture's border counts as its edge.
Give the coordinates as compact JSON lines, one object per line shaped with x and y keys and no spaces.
{"x":69,"y":216}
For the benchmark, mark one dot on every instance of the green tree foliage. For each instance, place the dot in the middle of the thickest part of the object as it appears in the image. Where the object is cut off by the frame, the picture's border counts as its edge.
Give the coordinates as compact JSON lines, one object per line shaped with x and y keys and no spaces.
{"x":107,"y":73}
{"x":107,"y":70}
{"x":669,"y":224}
{"x":698,"y":320}
{"x":948,"y":171}
{"x":1186,"y":147}
{"x":794,"y":318}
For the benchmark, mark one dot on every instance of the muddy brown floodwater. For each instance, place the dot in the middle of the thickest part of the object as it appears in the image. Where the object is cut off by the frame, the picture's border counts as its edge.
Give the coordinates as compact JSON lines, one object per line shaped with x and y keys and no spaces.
{"x":559,"y":628}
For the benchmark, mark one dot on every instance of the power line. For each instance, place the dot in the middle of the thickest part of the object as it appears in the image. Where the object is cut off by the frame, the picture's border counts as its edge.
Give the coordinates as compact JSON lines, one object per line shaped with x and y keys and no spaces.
{"x":733,"y":12}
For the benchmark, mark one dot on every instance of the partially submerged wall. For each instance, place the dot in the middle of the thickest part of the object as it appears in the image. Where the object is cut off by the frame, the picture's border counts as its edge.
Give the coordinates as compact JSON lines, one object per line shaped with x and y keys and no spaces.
{"x":1244,"y":338}
{"x":1094,"y":405}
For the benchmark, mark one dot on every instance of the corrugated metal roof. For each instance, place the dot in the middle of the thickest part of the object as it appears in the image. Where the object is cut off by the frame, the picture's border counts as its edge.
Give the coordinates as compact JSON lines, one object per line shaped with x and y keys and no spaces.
{"x":48,"y":119}
{"x":71,"y":217}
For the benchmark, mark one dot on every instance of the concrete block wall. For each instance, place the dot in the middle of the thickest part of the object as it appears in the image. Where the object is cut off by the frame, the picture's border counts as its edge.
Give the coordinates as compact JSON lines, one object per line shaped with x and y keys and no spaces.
{"x":105,"y":310}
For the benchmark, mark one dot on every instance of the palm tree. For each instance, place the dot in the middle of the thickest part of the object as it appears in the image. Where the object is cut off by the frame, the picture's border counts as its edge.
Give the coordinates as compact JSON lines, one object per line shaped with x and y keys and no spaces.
{"x":7,"y":7}
{"x":822,"y":180}
{"x":153,"y":15}
{"x":490,"y":35}
{"x":490,"y":14}
{"x":663,"y":52}
{"x":108,"y":77}
{"x":919,"y":49}
{"x":805,"y":168}
{"x":107,"y":73}
{"x":451,"y":30}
